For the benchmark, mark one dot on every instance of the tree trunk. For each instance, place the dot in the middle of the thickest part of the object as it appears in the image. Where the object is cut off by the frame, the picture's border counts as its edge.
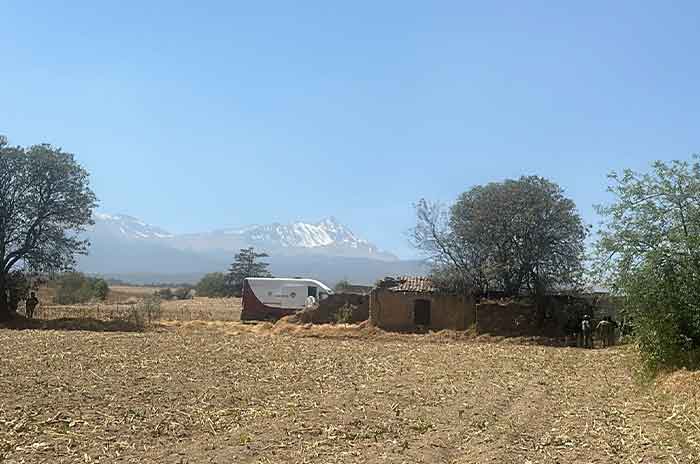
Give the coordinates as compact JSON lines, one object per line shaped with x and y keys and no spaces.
{"x":5,"y":313}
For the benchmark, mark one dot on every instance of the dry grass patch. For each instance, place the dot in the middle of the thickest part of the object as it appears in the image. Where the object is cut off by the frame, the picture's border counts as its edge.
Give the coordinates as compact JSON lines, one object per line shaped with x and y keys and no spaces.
{"x":206,"y":309}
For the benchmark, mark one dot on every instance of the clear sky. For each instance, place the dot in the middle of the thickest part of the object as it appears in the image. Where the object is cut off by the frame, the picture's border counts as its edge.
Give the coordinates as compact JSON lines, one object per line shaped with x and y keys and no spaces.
{"x":199,"y":115}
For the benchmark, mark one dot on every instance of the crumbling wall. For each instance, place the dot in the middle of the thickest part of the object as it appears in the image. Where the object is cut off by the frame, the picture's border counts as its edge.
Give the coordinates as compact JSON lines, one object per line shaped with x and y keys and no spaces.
{"x":326,"y":311}
{"x":395,"y":310}
{"x":390,"y":310}
{"x":508,"y":319}
{"x":552,"y":316}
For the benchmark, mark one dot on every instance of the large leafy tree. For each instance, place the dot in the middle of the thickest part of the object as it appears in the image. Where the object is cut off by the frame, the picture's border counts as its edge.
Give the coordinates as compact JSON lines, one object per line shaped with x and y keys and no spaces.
{"x":246,"y":264}
{"x":518,"y":237}
{"x":649,"y":253}
{"x":45,"y":202}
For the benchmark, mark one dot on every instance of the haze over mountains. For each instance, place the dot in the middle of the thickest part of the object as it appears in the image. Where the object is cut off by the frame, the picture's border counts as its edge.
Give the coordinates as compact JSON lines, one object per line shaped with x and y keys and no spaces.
{"x":128,"y":248}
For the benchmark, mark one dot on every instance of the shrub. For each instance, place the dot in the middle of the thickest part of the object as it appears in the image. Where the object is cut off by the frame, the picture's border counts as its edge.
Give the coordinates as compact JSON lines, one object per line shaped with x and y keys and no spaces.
{"x":100,"y":289}
{"x":664,"y":303}
{"x":146,"y":312}
{"x":165,"y":294}
{"x":150,"y":308}
{"x":344,"y":315}
{"x":182,"y":293}
{"x":75,"y":288}
{"x":213,"y":285}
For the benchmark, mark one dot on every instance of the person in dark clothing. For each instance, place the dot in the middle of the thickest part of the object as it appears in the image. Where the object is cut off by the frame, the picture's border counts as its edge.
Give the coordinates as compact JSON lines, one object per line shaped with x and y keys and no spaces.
{"x":31,"y":304}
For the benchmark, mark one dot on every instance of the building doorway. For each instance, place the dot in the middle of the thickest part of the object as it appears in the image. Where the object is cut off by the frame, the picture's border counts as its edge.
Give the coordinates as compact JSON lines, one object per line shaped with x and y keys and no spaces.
{"x":421,"y":312}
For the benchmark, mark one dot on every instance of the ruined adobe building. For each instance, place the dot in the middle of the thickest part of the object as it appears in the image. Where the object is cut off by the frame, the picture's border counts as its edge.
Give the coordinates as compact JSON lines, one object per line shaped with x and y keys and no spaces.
{"x":411,"y":303}
{"x":415,"y":303}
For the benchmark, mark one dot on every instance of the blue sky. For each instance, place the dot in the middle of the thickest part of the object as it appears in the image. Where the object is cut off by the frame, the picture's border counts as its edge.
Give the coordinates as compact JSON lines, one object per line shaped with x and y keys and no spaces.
{"x":200,"y":115}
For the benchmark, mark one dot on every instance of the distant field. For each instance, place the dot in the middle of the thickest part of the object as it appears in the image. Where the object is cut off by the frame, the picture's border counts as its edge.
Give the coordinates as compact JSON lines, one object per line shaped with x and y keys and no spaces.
{"x":123,"y":299}
{"x":202,"y":309}
{"x":117,"y":293}
{"x":227,"y":392}
{"x":123,"y":292}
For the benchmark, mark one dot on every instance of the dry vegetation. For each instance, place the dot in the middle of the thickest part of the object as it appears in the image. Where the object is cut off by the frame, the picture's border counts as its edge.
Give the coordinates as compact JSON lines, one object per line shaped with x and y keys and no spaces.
{"x":214,"y":309}
{"x":229,"y":392}
{"x":202,"y":309}
{"x":122,"y":301}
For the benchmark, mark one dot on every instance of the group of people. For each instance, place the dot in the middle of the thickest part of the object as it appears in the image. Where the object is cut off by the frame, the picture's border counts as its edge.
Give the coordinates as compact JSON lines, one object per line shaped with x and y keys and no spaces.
{"x":604,"y":331}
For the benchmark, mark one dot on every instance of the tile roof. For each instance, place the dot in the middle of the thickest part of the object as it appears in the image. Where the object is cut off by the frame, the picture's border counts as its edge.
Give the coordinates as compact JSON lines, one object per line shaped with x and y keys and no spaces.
{"x":411,"y":284}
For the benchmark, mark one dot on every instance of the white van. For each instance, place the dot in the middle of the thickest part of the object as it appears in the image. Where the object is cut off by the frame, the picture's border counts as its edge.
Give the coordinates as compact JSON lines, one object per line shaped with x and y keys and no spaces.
{"x":274,"y":298}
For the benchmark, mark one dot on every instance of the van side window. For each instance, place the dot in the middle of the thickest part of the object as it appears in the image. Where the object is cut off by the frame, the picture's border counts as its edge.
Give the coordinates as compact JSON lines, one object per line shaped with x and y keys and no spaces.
{"x":313,"y":292}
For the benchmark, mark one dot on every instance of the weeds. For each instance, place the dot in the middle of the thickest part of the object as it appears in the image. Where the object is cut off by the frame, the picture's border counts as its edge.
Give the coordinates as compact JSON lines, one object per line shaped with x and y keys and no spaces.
{"x":344,"y":315}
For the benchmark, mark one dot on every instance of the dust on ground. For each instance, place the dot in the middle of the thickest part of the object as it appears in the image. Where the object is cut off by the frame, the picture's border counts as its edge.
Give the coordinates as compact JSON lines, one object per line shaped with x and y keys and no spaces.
{"x":226,"y":392}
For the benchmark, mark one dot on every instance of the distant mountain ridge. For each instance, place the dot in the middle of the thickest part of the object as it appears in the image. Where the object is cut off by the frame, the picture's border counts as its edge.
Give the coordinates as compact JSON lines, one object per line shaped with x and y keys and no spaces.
{"x":128,"y":227}
{"x":122,"y":246}
{"x":327,"y":237}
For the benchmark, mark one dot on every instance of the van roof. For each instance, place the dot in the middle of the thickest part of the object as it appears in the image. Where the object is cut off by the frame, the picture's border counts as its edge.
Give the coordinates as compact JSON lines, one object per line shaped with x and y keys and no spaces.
{"x":290,"y":279}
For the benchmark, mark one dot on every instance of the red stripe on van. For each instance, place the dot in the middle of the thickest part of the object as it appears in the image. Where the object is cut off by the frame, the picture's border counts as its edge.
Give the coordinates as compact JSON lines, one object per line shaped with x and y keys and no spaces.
{"x":256,"y":310}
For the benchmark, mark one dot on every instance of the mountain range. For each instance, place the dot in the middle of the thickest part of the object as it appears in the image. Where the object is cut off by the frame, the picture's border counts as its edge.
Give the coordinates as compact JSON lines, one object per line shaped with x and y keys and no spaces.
{"x":129,"y":249}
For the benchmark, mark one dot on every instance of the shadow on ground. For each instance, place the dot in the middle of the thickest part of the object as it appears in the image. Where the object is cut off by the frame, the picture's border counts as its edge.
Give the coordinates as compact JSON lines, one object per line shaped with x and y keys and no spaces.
{"x":87,"y":324}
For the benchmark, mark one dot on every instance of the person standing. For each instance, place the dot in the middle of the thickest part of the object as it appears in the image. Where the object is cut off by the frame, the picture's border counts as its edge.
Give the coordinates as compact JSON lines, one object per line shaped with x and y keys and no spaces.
{"x":31,"y":304}
{"x":603,"y":330}
{"x":587,"y":332}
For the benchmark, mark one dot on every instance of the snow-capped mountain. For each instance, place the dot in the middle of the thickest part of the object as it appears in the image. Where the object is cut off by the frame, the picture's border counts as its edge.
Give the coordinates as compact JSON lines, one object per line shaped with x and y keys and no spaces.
{"x":301,"y":234}
{"x":127,"y":227}
{"x":130,"y":249}
{"x":326,"y":237}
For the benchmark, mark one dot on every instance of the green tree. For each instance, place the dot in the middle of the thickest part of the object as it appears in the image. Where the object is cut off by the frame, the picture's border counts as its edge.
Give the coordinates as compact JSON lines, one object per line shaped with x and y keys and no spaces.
{"x":75,"y":287}
{"x":45,"y":202}
{"x":213,"y":285}
{"x":518,"y":237}
{"x":246,"y":264}
{"x":648,"y":252}
{"x":100,"y":289}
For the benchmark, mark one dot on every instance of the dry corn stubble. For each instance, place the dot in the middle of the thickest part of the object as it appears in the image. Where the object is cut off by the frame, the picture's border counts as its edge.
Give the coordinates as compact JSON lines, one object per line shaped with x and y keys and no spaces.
{"x":231,"y":392}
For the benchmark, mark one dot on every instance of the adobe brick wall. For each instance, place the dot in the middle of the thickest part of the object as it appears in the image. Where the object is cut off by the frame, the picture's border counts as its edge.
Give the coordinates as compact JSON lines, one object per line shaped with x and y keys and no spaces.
{"x":394,"y":310}
{"x":558,"y":316}
{"x":325,"y":311}
{"x":511,"y":319}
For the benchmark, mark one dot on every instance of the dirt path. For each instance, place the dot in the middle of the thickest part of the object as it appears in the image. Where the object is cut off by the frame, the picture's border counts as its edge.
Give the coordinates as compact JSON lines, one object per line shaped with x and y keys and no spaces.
{"x":226,"y":393}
